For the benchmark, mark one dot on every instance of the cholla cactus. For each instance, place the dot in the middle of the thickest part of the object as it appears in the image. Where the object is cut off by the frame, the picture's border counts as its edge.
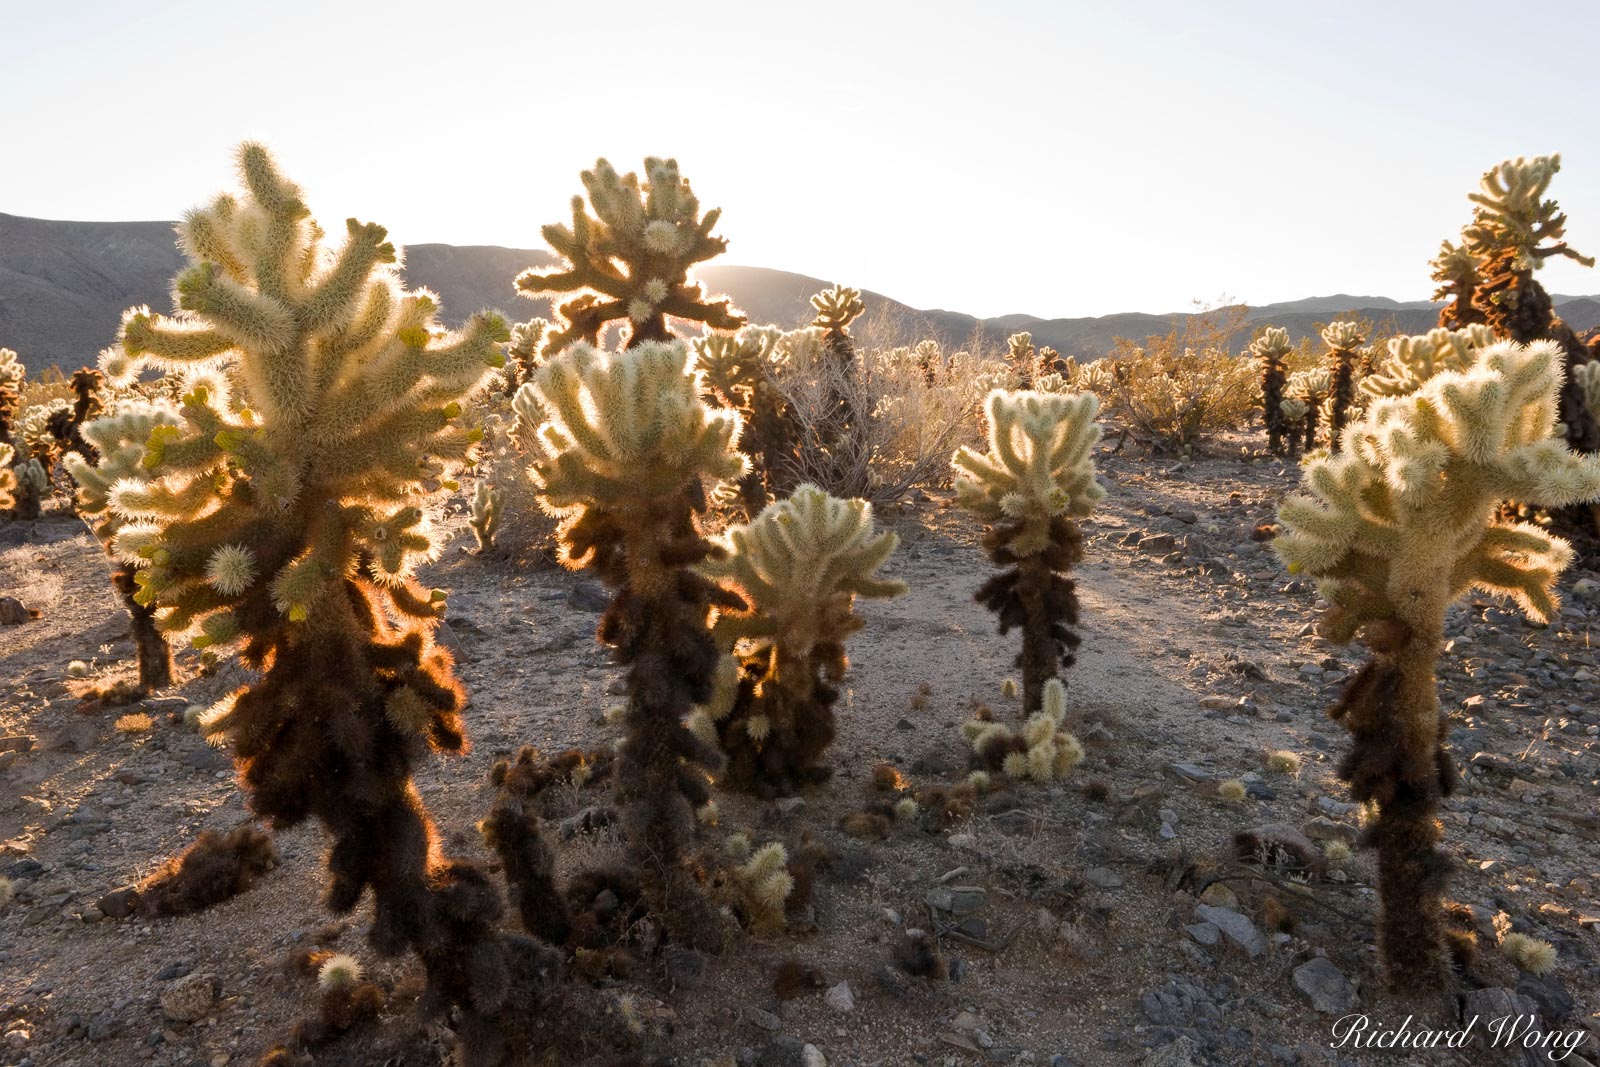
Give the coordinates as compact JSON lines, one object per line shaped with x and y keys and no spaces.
{"x":66,"y":424}
{"x":522,"y":354}
{"x":799,"y":568}
{"x":840,"y":428}
{"x":1413,"y":360}
{"x":1343,"y":340}
{"x":739,"y":370}
{"x":27,"y":478}
{"x":1489,"y":275}
{"x":12,"y":370}
{"x":628,"y":446}
{"x":1097,"y":377}
{"x":1036,"y":479}
{"x":1395,"y":528}
{"x":117,"y":444}
{"x":8,"y":479}
{"x":630,"y":260}
{"x":1294,"y":412}
{"x":764,"y":884}
{"x":836,"y":309}
{"x":1588,"y":376}
{"x":485,"y":520}
{"x":1311,"y":388}
{"x":1043,"y":750}
{"x":1269,"y":350}
{"x":319,"y":418}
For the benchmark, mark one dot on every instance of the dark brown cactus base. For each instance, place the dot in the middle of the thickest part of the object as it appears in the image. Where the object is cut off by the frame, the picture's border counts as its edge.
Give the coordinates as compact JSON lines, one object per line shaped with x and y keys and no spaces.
{"x":795,"y":701}
{"x":1273,"y":379}
{"x":1405,"y":771}
{"x":1034,"y":594}
{"x":150,"y":647}
{"x":1343,"y":394}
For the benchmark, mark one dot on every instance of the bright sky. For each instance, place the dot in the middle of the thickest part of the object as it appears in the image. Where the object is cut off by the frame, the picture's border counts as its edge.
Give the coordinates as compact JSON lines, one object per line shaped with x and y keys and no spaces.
{"x":989,"y":157}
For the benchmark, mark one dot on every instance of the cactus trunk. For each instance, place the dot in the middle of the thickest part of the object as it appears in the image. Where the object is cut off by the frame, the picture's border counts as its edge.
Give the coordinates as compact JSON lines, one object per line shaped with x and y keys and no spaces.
{"x":150,"y":648}
{"x":1040,"y":655}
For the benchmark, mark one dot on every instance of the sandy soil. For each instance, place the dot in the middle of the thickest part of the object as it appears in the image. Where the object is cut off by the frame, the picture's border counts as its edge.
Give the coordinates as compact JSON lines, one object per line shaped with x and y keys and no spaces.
{"x":1197,"y":652}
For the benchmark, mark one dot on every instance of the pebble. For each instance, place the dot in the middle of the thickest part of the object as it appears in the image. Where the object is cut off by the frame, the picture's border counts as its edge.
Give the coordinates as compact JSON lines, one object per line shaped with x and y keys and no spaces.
{"x":189,"y":999}
{"x":839,"y":998}
{"x":1237,"y":928}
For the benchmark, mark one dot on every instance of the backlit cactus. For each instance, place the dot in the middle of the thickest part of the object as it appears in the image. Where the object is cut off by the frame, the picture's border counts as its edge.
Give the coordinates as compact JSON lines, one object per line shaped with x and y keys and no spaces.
{"x":117,"y":443}
{"x":1415,"y":359}
{"x":320,"y":416}
{"x":628,"y":446}
{"x":1488,"y":276}
{"x":66,"y":424}
{"x":799,"y":567}
{"x":1311,"y":388}
{"x":484,"y":519}
{"x":839,"y":430}
{"x":739,"y":369}
{"x":1031,"y":486}
{"x":1042,"y":751}
{"x":1343,"y":340}
{"x":1269,"y":350}
{"x":1397,"y":527}
{"x":27,"y":481}
{"x":629,"y":261}
{"x":8,"y":478}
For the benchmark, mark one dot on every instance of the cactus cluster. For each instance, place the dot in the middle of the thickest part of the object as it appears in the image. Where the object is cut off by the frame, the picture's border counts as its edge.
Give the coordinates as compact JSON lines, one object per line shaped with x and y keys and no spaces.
{"x":1488,"y":276}
{"x":1031,"y":486}
{"x":798,"y":567}
{"x":1307,"y":391}
{"x":630,"y":260}
{"x":629,"y":445}
{"x":1043,"y":750}
{"x":1395,"y":528}
{"x":1414,"y":359}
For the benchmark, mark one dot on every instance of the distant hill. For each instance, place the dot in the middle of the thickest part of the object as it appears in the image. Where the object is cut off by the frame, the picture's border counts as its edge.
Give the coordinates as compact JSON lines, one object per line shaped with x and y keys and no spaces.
{"x":64,"y":285}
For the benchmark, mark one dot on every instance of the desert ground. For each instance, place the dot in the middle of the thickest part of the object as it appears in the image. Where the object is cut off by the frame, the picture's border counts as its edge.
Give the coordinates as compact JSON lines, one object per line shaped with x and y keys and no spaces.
{"x":1107,"y":920}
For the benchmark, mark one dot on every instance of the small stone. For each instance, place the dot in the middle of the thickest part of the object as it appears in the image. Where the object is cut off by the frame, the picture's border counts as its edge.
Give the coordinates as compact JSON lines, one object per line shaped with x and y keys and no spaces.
{"x":12,"y":613}
{"x":119,"y":904}
{"x":1220,"y":896}
{"x":761,"y":1018}
{"x":1205,"y":933}
{"x":790,"y":805}
{"x":958,"y":900}
{"x":589,"y":596}
{"x":839,"y":998}
{"x":1103,"y":877}
{"x":811,"y":1056}
{"x":1325,"y":986}
{"x":1237,"y":928}
{"x":190,"y":998}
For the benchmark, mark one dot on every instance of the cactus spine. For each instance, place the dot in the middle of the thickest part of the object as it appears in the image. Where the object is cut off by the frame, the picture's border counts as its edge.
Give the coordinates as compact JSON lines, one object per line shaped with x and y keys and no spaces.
{"x":320,"y":415}
{"x":485,"y":518}
{"x":1489,"y":276}
{"x":1035,"y":481}
{"x":627,"y":447}
{"x":1395,"y":528}
{"x":1342,"y":339}
{"x":1269,"y":350}
{"x":799,"y":568}
{"x":630,"y":260}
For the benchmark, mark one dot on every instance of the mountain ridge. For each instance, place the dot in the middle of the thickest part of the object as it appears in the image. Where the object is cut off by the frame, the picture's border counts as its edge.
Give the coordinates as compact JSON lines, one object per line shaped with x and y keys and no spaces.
{"x":64,"y":285}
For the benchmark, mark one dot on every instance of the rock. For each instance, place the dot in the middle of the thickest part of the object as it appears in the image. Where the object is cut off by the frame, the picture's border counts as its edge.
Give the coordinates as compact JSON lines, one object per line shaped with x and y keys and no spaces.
{"x":1189,"y":772}
{"x":1323,"y":828}
{"x":445,"y":635}
{"x":1218,"y":895}
{"x":958,"y":900}
{"x":1205,"y":933}
{"x":761,"y":1018}
{"x":811,"y":1056}
{"x":1279,"y":845}
{"x":839,"y":998}
{"x":1179,"y":1053}
{"x":180,"y":969}
{"x":1550,"y":993}
{"x":782,"y":1052}
{"x":1237,"y":928}
{"x":118,"y":904}
{"x":1489,"y":1004}
{"x":1103,"y":877}
{"x":1157,"y":544}
{"x":588,"y":596}
{"x":12,"y":613}
{"x":1216,"y":702}
{"x":1325,"y":986}
{"x":788,"y":806}
{"x":189,"y":998}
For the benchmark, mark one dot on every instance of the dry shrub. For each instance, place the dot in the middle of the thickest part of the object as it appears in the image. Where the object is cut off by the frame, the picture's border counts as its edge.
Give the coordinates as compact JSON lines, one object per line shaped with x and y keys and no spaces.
{"x":921,"y":404}
{"x":1176,"y":389}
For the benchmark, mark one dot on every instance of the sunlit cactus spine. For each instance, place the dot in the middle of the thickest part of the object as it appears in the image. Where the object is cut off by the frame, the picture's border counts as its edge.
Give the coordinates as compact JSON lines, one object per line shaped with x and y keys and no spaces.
{"x":484,"y":519}
{"x":739,"y":371}
{"x":1269,"y":350}
{"x":1397,"y":527}
{"x":1489,"y":276}
{"x":320,"y":418}
{"x":1031,"y":486}
{"x":523,"y":354}
{"x":115,"y":458}
{"x":799,"y":567}
{"x":1414,"y":360}
{"x":628,"y":447}
{"x":629,"y":261}
{"x":1343,"y":340}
